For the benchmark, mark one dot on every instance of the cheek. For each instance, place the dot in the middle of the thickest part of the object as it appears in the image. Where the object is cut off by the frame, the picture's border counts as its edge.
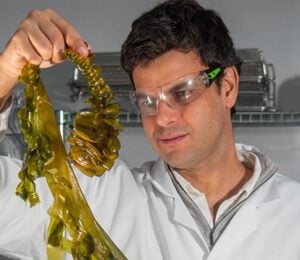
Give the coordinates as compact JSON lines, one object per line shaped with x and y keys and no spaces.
{"x":149,"y":126}
{"x":197,"y":113}
{"x":205,"y":116}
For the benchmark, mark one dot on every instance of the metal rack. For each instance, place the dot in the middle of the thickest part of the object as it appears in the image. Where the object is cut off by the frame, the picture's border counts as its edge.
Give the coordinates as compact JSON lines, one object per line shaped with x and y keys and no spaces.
{"x":238,"y":119}
{"x":266,"y":119}
{"x":13,"y":144}
{"x":256,"y":83}
{"x":255,"y":104}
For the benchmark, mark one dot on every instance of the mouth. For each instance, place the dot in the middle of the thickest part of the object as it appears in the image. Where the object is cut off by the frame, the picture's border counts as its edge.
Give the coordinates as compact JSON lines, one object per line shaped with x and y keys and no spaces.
{"x":172,"y":140}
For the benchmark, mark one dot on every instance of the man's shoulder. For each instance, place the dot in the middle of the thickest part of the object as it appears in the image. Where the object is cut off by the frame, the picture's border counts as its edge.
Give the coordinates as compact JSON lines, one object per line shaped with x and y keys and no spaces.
{"x":6,"y":161}
{"x":287,"y":185}
{"x":283,"y":188}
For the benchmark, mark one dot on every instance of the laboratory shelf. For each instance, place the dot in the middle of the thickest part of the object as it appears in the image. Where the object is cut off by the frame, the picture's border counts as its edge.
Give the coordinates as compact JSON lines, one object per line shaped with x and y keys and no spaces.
{"x":238,"y":119}
{"x":266,"y":119}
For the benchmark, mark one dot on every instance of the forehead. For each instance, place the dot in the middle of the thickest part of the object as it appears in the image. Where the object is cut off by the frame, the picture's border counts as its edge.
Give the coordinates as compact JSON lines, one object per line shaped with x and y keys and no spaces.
{"x":166,"y":69}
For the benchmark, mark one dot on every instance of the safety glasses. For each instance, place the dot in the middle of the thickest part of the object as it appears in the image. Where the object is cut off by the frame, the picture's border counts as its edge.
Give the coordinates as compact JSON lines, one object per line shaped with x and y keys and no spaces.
{"x":176,"y":95}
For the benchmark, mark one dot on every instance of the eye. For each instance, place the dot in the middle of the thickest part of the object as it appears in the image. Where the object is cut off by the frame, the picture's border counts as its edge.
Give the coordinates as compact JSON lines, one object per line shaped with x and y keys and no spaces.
{"x":182,"y":93}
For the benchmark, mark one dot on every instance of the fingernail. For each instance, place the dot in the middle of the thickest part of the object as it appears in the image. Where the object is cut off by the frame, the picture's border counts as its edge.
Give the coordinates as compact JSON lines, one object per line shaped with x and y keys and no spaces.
{"x":83,"y":51}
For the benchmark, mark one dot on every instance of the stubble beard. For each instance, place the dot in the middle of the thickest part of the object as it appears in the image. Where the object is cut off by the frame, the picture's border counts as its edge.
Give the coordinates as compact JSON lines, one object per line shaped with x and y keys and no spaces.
{"x":181,"y":159}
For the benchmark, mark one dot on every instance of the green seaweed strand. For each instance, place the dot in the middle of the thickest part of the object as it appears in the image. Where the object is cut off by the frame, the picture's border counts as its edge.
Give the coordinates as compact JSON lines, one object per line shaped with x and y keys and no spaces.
{"x":46,"y":157}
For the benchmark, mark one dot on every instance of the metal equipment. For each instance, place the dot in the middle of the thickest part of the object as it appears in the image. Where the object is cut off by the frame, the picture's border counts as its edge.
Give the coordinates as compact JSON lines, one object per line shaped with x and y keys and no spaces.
{"x":257,"y":82}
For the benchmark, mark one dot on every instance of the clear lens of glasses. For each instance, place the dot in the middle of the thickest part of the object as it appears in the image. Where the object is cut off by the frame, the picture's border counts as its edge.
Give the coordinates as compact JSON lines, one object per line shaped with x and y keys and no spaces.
{"x":181,"y":93}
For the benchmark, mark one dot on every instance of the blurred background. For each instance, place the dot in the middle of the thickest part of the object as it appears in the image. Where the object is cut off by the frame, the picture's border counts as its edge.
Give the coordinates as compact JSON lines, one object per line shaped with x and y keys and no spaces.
{"x":268,"y":27}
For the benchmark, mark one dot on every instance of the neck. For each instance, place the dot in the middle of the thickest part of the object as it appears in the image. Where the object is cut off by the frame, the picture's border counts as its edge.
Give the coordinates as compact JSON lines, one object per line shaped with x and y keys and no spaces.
{"x":218,"y":179}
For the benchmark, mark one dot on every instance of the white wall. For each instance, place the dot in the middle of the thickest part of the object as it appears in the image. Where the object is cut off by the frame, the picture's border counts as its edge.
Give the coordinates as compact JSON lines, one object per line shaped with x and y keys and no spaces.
{"x":271,"y":25}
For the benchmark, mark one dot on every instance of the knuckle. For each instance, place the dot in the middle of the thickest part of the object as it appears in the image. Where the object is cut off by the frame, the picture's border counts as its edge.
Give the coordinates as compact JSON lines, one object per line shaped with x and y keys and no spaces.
{"x":35,"y":59}
{"x":69,"y":28}
{"x":39,"y":14}
{"x":24,"y":24}
{"x":33,"y":14}
{"x":17,"y":38}
{"x":56,"y":36}
{"x":49,"y":11}
{"x":57,"y":40}
{"x":46,"y":52}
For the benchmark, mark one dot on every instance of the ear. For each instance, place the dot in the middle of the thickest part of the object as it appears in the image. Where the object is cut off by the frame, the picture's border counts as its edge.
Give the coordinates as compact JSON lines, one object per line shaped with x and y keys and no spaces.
{"x":230,"y":86}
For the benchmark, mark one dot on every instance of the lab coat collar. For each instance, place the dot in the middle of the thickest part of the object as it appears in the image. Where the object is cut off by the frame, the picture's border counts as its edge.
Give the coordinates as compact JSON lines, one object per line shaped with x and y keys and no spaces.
{"x":159,"y":176}
{"x":161,"y":182}
{"x":160,"y":179}
{"x":258,"y":208}
{"x":266,"y":166}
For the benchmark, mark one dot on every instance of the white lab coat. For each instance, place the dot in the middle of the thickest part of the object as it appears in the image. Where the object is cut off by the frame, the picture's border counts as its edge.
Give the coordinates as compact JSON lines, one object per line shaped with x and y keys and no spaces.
{"x":146,"y":218}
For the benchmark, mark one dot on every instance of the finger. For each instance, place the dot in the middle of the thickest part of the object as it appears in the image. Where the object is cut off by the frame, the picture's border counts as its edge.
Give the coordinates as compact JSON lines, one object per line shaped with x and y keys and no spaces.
{"x":29,"y":51}
{"x":59,"y":33}
{"x":56,"y":40}
{"x":72,"y":38}
{"x":38,"y":40}
{"x":47,"y":39}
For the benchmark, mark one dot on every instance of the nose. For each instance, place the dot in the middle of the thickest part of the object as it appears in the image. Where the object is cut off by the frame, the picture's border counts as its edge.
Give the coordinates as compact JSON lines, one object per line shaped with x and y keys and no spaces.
{"x":166,"y":115}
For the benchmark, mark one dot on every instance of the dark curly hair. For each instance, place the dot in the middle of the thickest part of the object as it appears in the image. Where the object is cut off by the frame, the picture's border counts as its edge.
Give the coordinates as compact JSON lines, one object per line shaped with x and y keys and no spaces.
{"x":182,"y":25}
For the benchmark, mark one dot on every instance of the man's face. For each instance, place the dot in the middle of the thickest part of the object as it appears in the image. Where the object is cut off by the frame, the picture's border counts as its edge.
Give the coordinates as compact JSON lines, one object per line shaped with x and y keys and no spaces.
{"x":184,"y":136}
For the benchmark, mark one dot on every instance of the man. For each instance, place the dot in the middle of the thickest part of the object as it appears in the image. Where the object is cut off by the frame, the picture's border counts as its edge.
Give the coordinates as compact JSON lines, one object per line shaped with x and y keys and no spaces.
{"x":205,"y":197}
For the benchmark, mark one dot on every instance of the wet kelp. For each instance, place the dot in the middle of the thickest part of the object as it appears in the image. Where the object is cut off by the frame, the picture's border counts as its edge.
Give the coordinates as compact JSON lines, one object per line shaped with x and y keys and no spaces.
{"x":94,"y":148}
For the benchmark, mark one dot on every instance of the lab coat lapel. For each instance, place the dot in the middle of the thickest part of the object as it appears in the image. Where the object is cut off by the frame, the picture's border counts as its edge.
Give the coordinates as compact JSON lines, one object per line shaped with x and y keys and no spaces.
{"x":161,"y":181}
{"x":257,"y":209}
